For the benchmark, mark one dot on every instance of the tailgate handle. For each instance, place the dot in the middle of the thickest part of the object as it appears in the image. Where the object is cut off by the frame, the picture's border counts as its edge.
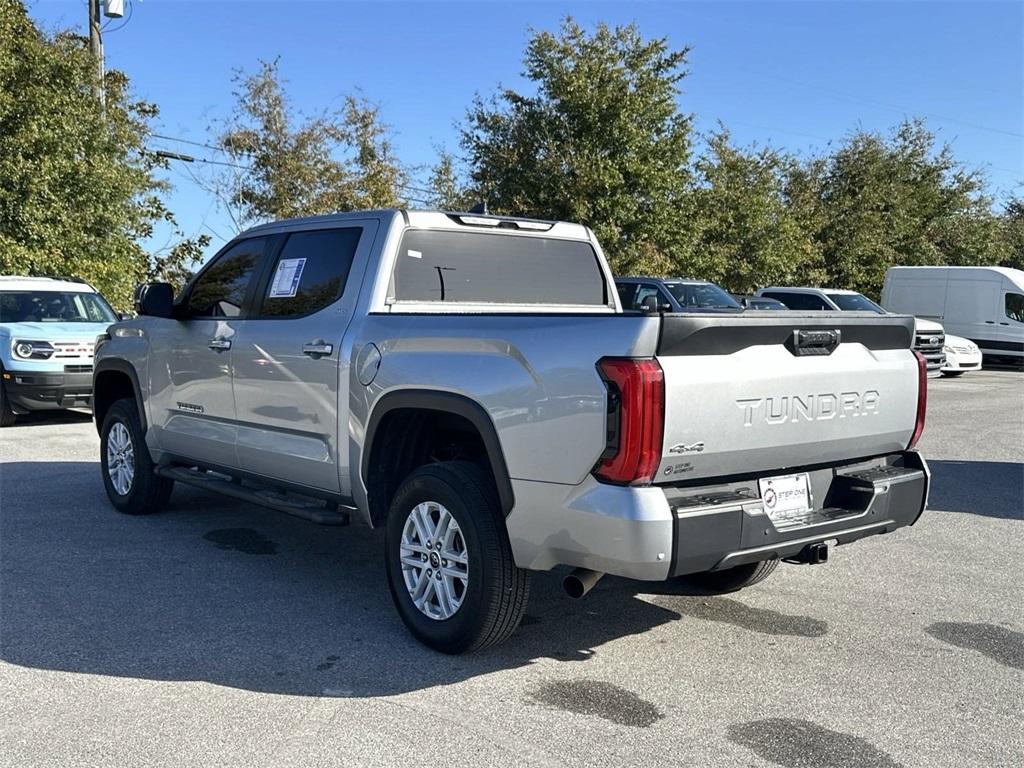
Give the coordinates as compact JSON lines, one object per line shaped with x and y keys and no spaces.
{"x":815,"y":342}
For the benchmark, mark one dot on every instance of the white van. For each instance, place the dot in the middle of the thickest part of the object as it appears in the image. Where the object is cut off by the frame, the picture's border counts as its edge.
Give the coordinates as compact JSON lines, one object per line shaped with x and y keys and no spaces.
{"x":983,"y":304}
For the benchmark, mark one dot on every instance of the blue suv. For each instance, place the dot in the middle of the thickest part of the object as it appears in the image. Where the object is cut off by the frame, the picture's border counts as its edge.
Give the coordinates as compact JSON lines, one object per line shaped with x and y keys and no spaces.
{"x":48,"y":327}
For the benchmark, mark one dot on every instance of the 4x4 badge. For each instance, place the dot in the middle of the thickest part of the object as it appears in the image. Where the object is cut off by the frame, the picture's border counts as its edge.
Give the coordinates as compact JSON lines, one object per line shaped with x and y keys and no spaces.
{"x":684,"y":448}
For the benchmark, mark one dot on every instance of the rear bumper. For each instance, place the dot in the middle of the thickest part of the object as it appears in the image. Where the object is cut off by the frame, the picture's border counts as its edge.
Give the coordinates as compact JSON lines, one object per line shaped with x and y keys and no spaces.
{"x":857,"y":501}
{"x":35,"y":391}
{"x":655,"y":533}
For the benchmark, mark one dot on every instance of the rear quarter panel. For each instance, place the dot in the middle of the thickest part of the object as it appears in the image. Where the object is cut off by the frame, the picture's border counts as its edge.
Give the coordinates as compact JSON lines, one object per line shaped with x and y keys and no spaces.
{"x":535,"y":375}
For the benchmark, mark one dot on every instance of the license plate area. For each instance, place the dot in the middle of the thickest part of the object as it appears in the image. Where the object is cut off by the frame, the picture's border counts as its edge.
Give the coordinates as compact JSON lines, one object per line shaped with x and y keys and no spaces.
{"x":786,"y":499}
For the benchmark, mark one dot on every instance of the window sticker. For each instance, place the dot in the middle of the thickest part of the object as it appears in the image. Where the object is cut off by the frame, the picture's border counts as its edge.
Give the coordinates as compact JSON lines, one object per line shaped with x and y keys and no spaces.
{"x":414,"y":254}
{"x":286,"y":280}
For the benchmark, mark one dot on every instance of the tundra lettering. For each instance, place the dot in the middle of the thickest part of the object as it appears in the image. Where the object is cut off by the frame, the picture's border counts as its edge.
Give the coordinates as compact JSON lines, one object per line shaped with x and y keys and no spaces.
{"x":793,"y":408}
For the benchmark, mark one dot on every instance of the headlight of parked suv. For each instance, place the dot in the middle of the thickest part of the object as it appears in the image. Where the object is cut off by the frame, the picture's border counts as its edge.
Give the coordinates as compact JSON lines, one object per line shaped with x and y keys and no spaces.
{"x":32,"y":350}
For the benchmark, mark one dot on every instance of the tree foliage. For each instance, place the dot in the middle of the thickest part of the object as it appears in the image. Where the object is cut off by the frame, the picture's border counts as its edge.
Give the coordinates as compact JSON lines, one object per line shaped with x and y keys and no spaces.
{"x":600,"y":141}
{"x":749,"y":236}
{"x":899,"y":199}
{"x":77,"y":188}
{"x":292,"y":165}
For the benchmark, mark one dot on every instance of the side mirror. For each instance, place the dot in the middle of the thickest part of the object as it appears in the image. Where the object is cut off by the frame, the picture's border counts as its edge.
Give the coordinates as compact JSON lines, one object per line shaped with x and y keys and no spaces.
{"x":154,"y":300}
{"x":649,"y":304}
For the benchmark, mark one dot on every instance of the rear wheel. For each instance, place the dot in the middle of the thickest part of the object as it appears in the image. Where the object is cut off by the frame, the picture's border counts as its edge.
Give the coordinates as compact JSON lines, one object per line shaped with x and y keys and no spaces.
{"x":128,"y":471}
{"x":449,"y":562}
{"x":733,"y":579}
{"x":6,"y":414}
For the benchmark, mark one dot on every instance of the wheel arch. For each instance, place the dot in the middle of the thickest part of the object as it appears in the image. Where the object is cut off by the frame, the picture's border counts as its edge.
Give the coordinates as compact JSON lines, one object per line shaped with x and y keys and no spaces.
{"x":113,"y":380}
{"x":433,"y":402}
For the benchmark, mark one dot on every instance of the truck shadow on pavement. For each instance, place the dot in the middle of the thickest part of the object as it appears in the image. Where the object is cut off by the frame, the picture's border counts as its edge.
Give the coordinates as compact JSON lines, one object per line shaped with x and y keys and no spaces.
{"x":219,"y":591}
{"x":986,"y":488}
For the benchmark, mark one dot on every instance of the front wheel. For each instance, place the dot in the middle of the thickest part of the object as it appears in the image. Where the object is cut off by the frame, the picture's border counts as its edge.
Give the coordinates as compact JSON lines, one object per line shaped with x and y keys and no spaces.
{"x":449,"y":562}
{"x":953,"y":373}
{"x":733,"y":579}
{"x":7,"y":417}
{"x":132,"y":485}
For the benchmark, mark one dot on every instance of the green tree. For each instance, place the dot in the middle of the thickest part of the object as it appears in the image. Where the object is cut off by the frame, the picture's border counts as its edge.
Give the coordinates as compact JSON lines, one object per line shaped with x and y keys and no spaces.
{"x":448,"y":192}
{"x":78,"y":190}
{"x":1012,"y":234}
{"x":292,"y":165}
{"x":750,"y":236}
{"x":600,"y":141}
{"x":895,"y":200}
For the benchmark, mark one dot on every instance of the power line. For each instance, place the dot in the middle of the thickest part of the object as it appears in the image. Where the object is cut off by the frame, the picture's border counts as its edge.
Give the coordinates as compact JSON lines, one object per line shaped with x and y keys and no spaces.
{"x":123,"y":24}
{"x":884,"y":105}
{"x":189,"y":141}
{"x":162,"y":153}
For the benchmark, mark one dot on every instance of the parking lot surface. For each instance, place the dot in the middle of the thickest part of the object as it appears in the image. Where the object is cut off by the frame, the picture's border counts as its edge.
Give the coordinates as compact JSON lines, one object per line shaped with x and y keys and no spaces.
{"x":222,"y":634}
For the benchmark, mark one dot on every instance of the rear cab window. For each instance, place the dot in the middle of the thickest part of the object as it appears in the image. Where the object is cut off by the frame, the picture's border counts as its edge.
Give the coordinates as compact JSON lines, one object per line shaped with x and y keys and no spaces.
{"x":436,"y":266}
{"x":805,"y":301}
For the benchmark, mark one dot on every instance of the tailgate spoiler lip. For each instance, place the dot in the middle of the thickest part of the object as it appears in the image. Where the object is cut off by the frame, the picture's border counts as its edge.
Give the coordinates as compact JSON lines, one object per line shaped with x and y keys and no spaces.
{"x":688,"y":334}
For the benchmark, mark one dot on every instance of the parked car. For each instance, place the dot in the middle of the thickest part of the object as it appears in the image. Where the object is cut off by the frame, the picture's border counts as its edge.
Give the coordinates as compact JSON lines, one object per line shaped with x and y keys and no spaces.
{"x":983,"y":304}
{"x":758,"y":302}
{"x":47,"y":330}
{"x":962,"y":355}
{"x":673,"y":295}
{"x":472,"y":385}
{"x":928,"y":335}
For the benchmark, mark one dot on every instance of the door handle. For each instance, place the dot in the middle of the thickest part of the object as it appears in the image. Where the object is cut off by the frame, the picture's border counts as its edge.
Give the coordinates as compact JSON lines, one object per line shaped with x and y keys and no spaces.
{"x":317,"y":349}
{"x":219,"y":345}
{"x":1004,"y":323}
{"x":990,"y":322}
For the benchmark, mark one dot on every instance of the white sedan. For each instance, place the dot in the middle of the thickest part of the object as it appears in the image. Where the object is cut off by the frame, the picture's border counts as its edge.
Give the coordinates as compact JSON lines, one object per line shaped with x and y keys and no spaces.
{"x":962,"y":355}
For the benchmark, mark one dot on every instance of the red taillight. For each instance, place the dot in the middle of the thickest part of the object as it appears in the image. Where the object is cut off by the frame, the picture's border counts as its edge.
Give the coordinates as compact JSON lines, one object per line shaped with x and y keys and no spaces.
{"x":637,"y":398}
{"x":922,"y":398}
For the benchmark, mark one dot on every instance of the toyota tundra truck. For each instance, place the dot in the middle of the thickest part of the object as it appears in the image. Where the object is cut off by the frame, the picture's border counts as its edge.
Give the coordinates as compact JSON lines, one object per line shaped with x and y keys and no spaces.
{"x":472,"y":385}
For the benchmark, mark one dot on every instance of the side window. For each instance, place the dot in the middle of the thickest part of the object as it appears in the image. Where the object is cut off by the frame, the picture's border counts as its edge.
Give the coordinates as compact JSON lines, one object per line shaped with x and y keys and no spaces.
{"x":626,"y":291}
{"x":310,"y":272}
{"x":221,"y":288}
{"x":1015,"y":306}
{"x":798,"y":300}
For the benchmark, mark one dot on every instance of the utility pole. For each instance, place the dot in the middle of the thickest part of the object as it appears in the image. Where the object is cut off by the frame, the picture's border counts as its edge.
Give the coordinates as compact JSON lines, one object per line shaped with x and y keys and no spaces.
{"x":96,"y":48}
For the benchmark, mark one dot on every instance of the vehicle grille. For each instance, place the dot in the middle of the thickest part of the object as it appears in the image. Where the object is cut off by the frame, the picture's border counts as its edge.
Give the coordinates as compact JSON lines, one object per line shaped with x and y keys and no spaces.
{"x":77,"y":369}
{"x":929,"y":341}
{"x":72,"y":349}
{"x":930,"y":346}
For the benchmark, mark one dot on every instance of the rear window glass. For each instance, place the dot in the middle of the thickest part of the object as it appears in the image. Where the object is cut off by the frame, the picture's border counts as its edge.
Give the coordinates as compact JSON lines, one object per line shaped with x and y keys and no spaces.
{"x":798,"y":300}
{"x":477,"y":267}
{"x":702,"y":296}
{"x":855,"y":302}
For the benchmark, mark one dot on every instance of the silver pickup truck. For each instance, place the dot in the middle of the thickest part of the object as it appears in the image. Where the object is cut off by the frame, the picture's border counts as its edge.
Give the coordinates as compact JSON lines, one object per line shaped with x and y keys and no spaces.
{"x":471,"y":385}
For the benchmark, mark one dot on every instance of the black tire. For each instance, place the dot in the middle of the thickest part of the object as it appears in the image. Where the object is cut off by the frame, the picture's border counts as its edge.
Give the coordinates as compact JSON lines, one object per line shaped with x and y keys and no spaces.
{"x":147,"y":492}
{"x":7,"y":417}
{"x":733,"y":579}
{"x":953,"y":373}
{"x":497,"y":591}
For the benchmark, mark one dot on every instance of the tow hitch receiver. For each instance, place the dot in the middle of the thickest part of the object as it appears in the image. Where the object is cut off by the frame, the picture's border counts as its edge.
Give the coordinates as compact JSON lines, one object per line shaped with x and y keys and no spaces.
{"x":812,"y":554}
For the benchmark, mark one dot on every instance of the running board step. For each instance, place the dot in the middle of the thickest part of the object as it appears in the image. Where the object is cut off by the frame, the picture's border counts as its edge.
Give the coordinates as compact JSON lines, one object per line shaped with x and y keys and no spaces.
{"x":319,"y":512}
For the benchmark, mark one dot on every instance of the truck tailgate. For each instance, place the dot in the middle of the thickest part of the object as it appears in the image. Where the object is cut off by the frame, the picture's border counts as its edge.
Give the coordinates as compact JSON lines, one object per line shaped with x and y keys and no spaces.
{"x":758,"y":392}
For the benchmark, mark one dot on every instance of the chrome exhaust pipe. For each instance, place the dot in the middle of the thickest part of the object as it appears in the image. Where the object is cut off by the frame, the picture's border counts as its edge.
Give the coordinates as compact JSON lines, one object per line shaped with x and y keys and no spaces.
{"x":580,"y":581}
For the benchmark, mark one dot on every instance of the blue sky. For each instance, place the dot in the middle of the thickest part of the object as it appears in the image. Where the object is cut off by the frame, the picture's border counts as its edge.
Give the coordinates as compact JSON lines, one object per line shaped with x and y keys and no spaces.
{"x":793,"y":75}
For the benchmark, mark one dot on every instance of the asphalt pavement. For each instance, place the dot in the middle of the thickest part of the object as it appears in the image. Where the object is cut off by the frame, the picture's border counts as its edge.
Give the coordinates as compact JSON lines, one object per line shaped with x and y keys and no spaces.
{"x":221,"y":634}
